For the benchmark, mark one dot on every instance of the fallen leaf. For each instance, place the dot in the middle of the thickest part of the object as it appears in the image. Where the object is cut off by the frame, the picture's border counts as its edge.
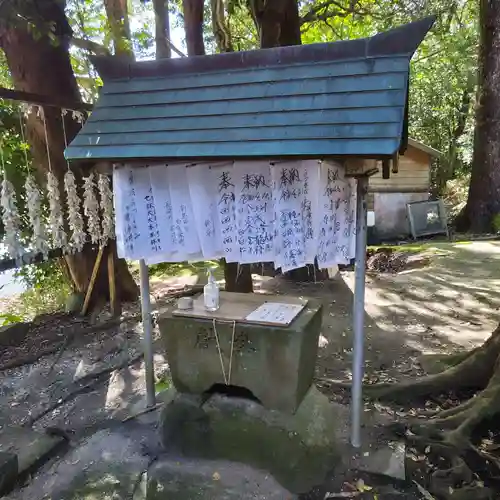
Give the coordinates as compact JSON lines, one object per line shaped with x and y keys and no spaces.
{"x":349,"y":486}
{"x":362,"y":487}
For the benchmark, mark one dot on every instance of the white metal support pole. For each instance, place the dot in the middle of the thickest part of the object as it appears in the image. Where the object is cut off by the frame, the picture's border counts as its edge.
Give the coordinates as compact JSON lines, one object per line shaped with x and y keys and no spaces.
{"x":148,"y":334}
{"x":359,"y":313}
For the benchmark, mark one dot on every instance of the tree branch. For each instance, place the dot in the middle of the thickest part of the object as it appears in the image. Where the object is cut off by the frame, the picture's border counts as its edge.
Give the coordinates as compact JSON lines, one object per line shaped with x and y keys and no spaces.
{"x":321,"y":11}
{"x":90,"y":46}
{"x":175,"y":49}
{"x":314,"y":12}
{"x":428,"y":56}
{"x":42,"y":100}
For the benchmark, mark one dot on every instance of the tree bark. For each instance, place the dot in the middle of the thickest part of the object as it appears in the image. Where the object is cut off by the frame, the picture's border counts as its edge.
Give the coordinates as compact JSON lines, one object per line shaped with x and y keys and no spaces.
{"x":483,"y":203}
{"x":307,"y":274}
{"x":220,"y":26}
{"x":162,"y":29}
{"x":290,"y":25}
{"x":238,"y":278}
{"x":119,"y":27}
{"x":29,"y":58}
{"x":193,"y":26}
{"x":277,"y":22}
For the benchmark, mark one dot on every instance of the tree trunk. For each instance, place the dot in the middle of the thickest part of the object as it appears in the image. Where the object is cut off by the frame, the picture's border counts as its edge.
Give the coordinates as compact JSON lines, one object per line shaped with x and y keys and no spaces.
{"x":162,"y":29}
{"x":278,"y":25}
{"x":193,"y":26}
{"x":119,"y":27}
{"x":238,"y":277}
{"x":29,"y":58}
{"x":220,"y":26}
{"x":290,"y":25}
{"x":448,"y":167}
{"x":483,"y":203}
{"x":277,"y":22}
{"x":306,"y":274}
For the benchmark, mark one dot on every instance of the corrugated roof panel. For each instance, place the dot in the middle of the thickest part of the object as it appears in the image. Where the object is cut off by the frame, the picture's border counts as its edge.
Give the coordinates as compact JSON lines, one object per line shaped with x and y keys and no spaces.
{"x":338,"y":99}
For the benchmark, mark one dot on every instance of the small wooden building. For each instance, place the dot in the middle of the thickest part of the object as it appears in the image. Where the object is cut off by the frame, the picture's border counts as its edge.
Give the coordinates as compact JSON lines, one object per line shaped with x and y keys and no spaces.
{"x":387,"y":198}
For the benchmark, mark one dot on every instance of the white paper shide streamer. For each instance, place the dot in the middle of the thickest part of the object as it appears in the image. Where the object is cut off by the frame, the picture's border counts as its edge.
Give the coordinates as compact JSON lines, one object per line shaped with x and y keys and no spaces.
{"x":75,"y":219}
{"x":107,"y":215}
{"x":10,"y":219}
{"x":56,"y":220}
{"x":34,"y":205}
{"x":91,"y":209}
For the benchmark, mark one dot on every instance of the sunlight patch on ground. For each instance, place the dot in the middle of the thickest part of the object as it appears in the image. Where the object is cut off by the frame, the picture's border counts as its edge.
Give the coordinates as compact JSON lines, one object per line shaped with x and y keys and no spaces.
{"x":123,"y":385}
{"x":483,"y":247}
{"x":455,"y":301}
{"x":322,"y":342}
{"x":84,"y":367}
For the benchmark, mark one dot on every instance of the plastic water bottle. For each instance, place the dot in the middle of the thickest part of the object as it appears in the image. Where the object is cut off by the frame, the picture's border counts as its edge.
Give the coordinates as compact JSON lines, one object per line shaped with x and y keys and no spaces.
{"x":211,"y":293}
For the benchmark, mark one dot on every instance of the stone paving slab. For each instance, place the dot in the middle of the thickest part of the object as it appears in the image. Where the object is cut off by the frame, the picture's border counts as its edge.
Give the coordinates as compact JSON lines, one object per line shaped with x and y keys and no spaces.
{"x":387,"y":461}
{"x":29,"y":446}
{"x":181,"y":479}
{"x":124,"y":463}
{"x":8,"y":472}
{"x":106,"y":465}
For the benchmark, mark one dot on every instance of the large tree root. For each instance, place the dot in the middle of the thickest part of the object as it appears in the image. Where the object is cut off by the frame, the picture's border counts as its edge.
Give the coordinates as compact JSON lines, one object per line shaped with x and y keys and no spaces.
{"x":473,"y":372}
{"x":450,"y":433}
{"x":456,"y":425}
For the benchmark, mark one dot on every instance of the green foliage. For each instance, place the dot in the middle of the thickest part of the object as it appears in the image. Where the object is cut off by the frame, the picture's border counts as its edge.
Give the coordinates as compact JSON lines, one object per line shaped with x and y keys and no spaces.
{"x":243,"y":30}
{"x":48,"y":290}
{"x":9,"y":319}
{"x":455,"y":195}
{"x":185,"y":269}
{"x":163,"y":385}
{"x":496,"y":223}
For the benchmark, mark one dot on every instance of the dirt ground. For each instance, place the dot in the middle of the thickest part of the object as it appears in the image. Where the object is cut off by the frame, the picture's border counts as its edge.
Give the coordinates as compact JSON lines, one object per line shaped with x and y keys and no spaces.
{"x":449,"y":305}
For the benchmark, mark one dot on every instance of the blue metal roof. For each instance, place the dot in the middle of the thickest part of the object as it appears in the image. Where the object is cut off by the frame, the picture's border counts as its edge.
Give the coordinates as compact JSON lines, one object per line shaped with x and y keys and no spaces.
{"x":336,"y":99}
